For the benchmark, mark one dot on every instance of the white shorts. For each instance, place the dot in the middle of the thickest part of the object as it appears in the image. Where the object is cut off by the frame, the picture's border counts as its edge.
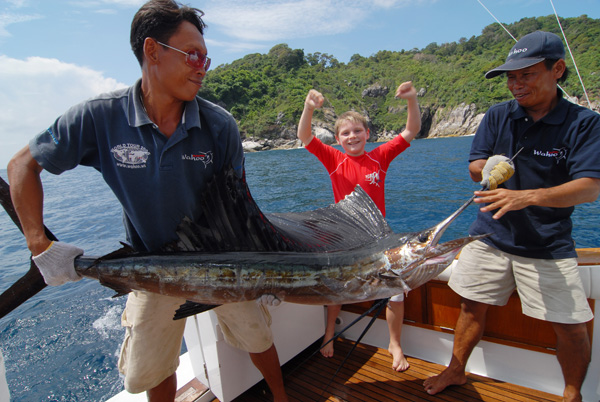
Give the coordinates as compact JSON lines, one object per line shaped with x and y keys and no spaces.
{"x":550,"y":290}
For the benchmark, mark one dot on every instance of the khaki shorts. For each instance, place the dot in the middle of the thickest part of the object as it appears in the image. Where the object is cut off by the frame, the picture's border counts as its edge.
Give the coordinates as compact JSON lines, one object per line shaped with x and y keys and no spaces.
{"x":152,"y":344}
{"x":550,"y":290}
{"x":246,"y":326}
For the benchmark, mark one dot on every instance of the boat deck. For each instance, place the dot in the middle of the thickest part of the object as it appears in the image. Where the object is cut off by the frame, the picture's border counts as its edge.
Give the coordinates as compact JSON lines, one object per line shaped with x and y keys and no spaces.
{"x":367,"y":377}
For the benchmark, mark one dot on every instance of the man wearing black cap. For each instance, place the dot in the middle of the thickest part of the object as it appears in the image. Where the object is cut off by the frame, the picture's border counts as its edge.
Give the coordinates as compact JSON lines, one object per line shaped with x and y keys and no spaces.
{"x":555,"y":145}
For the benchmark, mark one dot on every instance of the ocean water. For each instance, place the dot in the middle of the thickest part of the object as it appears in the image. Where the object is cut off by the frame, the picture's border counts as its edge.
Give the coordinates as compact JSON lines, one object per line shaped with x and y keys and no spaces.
{"x":63,"y":344}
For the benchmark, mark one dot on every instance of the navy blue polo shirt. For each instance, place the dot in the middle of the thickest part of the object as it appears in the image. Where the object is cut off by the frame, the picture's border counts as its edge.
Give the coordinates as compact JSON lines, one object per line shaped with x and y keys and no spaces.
{"x":562,"y":146}
{"x":157,"y":179}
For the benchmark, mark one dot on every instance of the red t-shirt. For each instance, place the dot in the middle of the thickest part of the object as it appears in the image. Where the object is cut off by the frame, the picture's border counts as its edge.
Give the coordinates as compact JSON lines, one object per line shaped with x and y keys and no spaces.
{"x":368,"y":170}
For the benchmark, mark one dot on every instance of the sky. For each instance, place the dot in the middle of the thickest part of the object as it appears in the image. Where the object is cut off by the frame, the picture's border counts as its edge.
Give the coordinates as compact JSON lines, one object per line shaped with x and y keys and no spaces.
{"x":56,"y":53}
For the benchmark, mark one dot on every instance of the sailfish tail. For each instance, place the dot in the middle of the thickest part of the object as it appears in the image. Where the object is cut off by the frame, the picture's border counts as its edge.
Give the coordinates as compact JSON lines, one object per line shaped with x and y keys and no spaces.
{"x":32,"y":282}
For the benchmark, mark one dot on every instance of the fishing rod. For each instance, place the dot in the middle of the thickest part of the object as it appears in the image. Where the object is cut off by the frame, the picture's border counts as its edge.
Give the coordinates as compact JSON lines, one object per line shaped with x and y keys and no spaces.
{"x":571,"y":54}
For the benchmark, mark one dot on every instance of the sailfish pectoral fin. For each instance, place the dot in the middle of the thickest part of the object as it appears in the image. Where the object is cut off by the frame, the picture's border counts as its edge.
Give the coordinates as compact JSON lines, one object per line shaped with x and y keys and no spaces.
{"x":120,"y":290}
{"x":190,"y":308}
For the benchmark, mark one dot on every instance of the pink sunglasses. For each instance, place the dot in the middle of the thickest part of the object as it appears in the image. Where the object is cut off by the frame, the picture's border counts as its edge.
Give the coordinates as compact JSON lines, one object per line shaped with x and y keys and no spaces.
{"x":194,"y":59}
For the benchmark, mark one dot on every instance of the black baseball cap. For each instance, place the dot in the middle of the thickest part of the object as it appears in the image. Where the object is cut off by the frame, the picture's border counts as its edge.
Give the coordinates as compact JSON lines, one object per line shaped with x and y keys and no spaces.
{"x":529,"y":50}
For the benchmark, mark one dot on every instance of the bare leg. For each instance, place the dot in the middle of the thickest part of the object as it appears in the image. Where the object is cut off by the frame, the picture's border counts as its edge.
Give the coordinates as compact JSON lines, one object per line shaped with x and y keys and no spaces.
{"x":394,"y":315}
{"x":267,"y":363}
{"x":165,"y":391}
{"x":332,"y":313}
{"x":573,"y":352}
{"x":469,"y":330}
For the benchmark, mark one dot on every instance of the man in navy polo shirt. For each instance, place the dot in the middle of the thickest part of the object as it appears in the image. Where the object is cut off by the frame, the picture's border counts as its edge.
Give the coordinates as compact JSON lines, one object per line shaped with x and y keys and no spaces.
{"x":156,"y":145}
{"x":556,"y":144}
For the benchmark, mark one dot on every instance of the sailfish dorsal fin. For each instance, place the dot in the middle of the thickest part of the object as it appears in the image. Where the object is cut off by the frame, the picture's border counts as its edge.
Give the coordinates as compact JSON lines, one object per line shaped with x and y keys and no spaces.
{"x":232,"y":221}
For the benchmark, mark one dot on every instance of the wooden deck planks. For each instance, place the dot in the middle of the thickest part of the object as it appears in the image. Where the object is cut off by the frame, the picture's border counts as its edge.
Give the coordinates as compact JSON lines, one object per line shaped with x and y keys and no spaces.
{"x":367,"y":376}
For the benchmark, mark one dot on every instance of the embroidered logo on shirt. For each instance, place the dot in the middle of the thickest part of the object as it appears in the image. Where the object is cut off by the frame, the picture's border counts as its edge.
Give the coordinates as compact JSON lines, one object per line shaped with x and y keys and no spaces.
{"x":555,"y":153}
{"x":205,"y":157}
{"x":373,"y":178}
{"x":132,"y":156}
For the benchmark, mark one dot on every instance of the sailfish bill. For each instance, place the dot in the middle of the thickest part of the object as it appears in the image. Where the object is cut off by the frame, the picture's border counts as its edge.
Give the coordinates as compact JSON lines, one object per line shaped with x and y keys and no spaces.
{"x":344,"y":253}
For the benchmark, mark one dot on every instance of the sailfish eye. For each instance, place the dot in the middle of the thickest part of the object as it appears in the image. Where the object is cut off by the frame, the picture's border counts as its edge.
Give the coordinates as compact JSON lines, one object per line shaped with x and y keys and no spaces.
{"x":423,"y":237}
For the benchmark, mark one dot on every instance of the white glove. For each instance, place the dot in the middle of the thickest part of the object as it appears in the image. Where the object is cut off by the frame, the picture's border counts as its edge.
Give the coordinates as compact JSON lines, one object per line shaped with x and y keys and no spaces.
{"x":57,"y":263}
{"x":268,"y":300}
{"x":496,"y":171}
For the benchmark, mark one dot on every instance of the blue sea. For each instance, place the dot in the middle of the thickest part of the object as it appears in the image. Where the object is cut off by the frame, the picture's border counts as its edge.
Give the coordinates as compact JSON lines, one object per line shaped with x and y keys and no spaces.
{"x":63,"y":344}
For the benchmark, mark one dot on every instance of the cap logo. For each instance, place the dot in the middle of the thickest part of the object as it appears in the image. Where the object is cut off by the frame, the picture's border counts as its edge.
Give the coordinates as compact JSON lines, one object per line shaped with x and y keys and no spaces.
{"x":517,"y":51}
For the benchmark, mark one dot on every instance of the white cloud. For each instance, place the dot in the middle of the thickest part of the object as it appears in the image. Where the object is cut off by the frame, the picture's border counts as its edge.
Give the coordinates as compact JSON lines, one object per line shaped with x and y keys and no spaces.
{"x":17,"y":3}
{"x":273,"y":21}
{"x":7,"y":19}
{"x":236,"y":47}
{"x":126,"y":3}
{"x":277,"y":21}
{"x":106,"y":11}
{"x":35,"y":92}
{"x":100,"y":3}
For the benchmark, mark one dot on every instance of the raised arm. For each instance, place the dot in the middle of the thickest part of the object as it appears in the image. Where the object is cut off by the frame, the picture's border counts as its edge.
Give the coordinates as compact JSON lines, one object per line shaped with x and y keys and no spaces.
{"x":407,"y":91}
{"x":314,"y":100}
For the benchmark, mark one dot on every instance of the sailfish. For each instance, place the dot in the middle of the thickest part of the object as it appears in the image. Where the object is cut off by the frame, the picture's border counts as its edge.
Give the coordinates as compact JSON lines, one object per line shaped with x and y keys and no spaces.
{"x":343,"y":253}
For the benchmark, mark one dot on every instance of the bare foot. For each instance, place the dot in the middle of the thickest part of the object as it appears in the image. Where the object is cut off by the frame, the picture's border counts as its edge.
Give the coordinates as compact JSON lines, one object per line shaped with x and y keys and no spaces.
{"x":438,"y":383}
{"x":399,"y":362}
{"x":327,"y":350}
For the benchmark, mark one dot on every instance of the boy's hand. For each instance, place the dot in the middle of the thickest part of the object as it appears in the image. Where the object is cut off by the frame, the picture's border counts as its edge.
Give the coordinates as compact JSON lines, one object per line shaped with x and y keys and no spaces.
{"x":406,"y":90}
{"x":314,"y":100}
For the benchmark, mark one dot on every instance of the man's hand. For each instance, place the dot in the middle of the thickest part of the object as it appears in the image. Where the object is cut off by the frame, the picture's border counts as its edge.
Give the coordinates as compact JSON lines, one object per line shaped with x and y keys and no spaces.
{"x":268,"y":300}
{"x":314,"y":100}
{"x":504,"y":200}
{"x":56,"y":264}
{"x":496,"y":171}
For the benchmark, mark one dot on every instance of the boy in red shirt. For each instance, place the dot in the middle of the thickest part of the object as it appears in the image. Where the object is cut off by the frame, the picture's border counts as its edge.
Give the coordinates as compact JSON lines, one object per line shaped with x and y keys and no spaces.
{"x":368,"y":169}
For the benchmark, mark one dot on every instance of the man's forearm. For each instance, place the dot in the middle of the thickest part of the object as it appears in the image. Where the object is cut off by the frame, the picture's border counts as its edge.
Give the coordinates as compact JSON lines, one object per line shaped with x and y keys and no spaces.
{"x":28,"y":198}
